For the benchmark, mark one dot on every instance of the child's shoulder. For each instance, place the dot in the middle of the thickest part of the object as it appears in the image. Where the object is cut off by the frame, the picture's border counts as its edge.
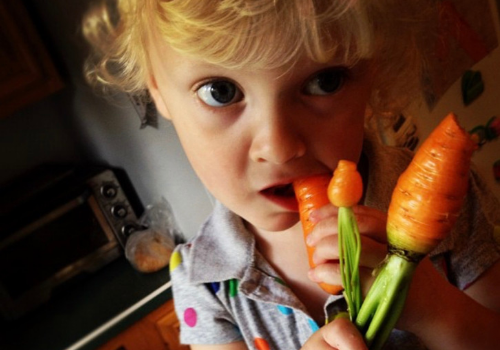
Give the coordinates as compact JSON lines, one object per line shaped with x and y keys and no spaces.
{"x":221,"y":250}
{"x":385,"y":165}
{"x":383,"y":155}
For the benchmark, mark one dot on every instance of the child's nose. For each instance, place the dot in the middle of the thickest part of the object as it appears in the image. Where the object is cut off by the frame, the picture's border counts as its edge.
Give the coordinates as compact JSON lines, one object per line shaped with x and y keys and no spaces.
{"x":277,"y":138}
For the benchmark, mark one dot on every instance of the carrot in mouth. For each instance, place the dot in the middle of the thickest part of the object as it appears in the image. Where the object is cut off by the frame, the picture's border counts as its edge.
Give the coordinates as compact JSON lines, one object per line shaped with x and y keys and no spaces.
{"x":311,"y":193}
{"x":343,"y":190}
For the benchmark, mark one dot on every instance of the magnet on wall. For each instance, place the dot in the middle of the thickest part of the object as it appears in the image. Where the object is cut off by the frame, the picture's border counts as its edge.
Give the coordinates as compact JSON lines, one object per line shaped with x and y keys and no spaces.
{"x":482,"y":134}
{"x":472,"y":86}
{"x":478,"y":135}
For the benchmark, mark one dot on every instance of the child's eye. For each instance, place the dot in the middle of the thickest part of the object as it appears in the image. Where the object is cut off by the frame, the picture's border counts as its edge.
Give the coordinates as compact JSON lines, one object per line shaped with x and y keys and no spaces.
{"x":326,"y":82}
{"x":219,"y":93}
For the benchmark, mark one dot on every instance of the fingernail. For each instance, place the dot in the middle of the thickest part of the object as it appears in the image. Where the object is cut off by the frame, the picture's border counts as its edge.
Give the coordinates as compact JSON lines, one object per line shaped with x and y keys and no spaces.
{"x":341,"y":314}
{"x":313,"y":216}
{"x":309,"y":240}
{"x":312,"y":276}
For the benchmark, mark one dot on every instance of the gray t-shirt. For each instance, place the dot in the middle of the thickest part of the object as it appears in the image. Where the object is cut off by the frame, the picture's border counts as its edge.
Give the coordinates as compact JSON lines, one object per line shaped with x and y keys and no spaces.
{"x":225,"y":291}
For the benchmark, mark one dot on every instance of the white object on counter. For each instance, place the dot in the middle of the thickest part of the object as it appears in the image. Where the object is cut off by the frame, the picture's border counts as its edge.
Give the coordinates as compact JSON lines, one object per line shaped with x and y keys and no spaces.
{"x":115,"y":320}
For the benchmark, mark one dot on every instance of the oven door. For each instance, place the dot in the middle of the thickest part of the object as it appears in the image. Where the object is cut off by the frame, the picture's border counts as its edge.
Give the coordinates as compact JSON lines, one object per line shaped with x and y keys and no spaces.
{"x":70,"y":240}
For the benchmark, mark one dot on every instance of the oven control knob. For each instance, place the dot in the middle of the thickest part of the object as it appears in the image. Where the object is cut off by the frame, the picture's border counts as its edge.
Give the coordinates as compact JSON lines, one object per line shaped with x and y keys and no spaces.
{"x":128,"y":229}
{"x":119,"y":211}
{"x":109,"y":191}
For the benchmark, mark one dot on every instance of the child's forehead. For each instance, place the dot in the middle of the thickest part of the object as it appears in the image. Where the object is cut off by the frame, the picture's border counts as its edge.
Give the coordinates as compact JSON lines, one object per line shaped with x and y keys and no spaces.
{"x":258,"y":39}
{"x":232,"y":59}
{"x":195,"y":64}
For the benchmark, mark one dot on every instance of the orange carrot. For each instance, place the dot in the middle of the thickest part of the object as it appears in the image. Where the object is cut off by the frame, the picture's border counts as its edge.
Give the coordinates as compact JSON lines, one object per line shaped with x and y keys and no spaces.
{"x":429,"y":194}
{"x":346,"y":187}
{"x":311,"y":193}
{"x":424,"y":207}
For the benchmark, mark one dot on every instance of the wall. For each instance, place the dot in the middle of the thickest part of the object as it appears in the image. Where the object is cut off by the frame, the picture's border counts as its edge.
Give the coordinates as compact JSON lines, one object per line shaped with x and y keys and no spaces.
{"x":39,"y":133}
{"x":78,"y":125}
{"x":478,"y":112}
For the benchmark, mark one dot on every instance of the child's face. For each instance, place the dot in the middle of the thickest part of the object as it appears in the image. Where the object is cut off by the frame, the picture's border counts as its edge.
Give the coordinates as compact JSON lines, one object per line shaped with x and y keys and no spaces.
{"x":249,"y":134}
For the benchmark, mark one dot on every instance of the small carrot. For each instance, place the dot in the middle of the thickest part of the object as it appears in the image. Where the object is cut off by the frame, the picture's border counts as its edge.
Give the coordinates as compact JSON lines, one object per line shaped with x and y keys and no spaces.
{"x":346,"y":186}
{"x":344,"y":191}
{"x":311,"y":193}
{"x":423,"y":209}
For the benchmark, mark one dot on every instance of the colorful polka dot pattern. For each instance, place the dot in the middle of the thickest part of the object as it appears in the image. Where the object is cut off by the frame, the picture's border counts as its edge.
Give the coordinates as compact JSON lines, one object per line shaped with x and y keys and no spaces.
{"x":285,"y":310}
{"x":261,"y":344}
{"x":213,"y":287}
{"x":175,"y":260}
{"x":313,"y":325}
{"x":233,"y":287}
{"x":191,"y":316}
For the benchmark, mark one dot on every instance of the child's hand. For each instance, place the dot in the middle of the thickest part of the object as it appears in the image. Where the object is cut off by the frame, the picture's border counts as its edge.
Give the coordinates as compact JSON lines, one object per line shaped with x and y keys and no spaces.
{"x":339,"y":334}
{"x":372,"y":227}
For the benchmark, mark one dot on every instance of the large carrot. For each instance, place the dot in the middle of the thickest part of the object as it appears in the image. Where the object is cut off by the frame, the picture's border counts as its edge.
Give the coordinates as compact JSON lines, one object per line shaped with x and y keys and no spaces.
{"x":424,"y":207}
{"x":311,"y":193}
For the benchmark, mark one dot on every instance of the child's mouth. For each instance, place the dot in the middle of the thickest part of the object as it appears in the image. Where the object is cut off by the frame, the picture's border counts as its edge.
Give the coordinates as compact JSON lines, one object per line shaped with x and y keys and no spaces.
{"x":283,"y":195}
{"x":282,"y":191}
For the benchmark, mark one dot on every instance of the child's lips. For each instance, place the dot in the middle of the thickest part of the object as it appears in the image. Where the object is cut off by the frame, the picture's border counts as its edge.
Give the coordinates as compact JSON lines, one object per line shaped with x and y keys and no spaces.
{"x":283,"y":195}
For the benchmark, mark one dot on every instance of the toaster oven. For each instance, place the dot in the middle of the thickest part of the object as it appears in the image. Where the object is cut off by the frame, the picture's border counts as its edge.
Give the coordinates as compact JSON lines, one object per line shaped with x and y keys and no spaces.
{"x":56,"y":223}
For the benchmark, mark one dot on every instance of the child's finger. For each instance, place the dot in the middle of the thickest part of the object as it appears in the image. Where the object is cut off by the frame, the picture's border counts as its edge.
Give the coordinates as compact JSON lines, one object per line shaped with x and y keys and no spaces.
{"x":326,"y":249}
{"x":372,"y":252}
{"x":329,"y":273}
{"x":323,"y":213}
{"x":371,"y":222}
{"x":340,"y":334}
{"x":324,"y":228}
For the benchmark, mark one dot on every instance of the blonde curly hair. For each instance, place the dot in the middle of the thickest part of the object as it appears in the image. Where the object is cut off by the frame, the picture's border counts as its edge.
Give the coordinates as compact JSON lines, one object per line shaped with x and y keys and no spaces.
{"x":264,"y":34}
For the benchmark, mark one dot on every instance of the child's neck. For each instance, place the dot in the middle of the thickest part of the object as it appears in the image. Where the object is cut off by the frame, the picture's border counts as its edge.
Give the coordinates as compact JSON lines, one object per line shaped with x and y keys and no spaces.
{"x":286,"y":252}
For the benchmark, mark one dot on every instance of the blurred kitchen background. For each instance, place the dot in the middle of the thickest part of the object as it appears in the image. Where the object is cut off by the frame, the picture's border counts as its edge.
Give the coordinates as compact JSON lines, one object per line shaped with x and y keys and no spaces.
{"x":75,"y":124}
{"x":48,"y":114}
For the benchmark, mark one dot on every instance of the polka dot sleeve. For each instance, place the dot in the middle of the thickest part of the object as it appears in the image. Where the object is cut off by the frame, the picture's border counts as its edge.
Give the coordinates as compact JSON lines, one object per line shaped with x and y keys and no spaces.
{"x":203,"y":317}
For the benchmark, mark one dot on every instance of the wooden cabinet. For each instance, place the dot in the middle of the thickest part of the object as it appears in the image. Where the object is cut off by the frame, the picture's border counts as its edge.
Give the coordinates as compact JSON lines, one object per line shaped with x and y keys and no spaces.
{"x":26,"y":72}
{"x":168,"y":326}
{"x":159,"y":330}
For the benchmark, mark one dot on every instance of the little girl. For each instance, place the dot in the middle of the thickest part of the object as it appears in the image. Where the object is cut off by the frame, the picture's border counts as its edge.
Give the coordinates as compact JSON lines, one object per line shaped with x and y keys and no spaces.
{"x":262,"y":92}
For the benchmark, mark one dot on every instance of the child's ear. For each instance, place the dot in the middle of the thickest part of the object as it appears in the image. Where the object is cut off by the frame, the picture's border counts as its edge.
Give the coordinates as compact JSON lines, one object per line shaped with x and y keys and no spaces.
{"x":154,"y":92}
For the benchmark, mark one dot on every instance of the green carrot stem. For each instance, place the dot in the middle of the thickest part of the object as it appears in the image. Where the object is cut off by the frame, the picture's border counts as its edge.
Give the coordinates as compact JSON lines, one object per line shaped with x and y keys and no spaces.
{"x":343,"y":260}
{"x":355,"y":282}
{"x":386,"y":329}
{"x":349,"y":254}
{"x":385,"y":300}
{"x":371,"y":303}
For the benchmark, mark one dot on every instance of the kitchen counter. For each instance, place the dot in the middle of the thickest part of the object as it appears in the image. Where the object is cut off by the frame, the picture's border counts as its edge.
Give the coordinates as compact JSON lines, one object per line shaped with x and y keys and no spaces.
{"x":90,"y":311}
